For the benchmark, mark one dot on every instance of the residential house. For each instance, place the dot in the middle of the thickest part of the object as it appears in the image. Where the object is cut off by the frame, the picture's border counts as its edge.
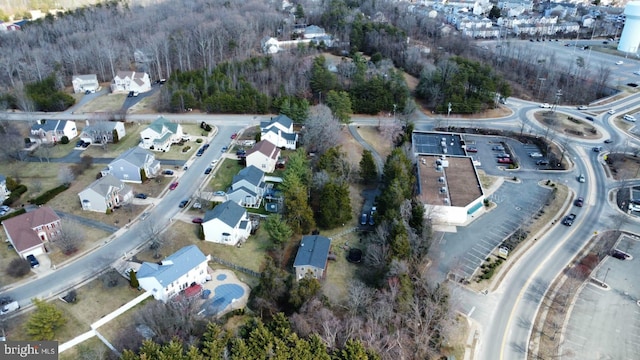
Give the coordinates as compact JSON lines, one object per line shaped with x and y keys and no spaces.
{"x":248,"y":187}
{"x":132,"y":164}
{"x":52,"y":131}
{"x":264,"y":155}
{"x":84,"y":83}
{"x":103,"y":132}
{"x":176,"y":273}
{"x":279,"y":132}
{"x":126,"y":81}
{"x":160,"y":134}
{"x":312,"y":256}
{"x":228,"y":223}
{"x":29,"y":233}
{"x":105,"y":194}
{"x":4,"y":192}
{"x":313,"y":31}
{"x":269,"y":45}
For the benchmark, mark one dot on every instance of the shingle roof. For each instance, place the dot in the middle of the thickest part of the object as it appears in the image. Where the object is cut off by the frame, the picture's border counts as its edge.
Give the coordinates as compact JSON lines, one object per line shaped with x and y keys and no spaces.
{"x":86,"y":77}
{"x":177,"y":264}
{"x":228,"y":212}
{"x":160,"y":123}
{"x":266,"y":148}
{"x":104,"y":185}
{"x":251,"y":174}
{"x":20,"y":228}
{"x":284,"y":120}
{"x":136,"y":156}
{"x":49,"y":125}
{"x":314,"y":250}
{"x":100,"y":127}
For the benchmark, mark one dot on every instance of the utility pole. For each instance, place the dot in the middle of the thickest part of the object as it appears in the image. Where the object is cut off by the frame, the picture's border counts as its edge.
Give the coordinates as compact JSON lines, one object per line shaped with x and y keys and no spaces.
{"x":557,"y":99}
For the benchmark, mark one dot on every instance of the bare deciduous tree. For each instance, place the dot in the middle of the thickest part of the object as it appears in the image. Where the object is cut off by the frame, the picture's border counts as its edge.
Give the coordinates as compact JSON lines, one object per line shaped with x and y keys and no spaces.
{"x":70,"y":237}
{"x":321,"y":130}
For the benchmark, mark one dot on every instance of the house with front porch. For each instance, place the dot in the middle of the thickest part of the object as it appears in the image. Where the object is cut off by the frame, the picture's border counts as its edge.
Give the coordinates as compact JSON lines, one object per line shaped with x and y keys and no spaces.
{"x":160,"y":135}
{"x":228,"y":224}
{"x":105,"y":194}
{"x":30,"y":232}
{"x":52,"y":131}
{"x":174,"y":274}
{"x":134,"y":165}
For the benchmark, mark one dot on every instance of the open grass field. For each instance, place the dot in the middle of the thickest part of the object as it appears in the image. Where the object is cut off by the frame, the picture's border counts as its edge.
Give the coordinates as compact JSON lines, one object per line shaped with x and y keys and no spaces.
{"x":105,"y":103}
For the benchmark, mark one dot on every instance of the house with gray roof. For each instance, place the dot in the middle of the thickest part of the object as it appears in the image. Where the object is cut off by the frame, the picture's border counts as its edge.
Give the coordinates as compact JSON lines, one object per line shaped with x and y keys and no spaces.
{"x":102,"y":132}
{"x":52,"y":131}
{"x":160,"y":135}
{"x":84,"y":83}
{"x":174,"y":274}
{"x":248,"y":187}
{"x":4,"y":192}
{"x":313,"y":31}
{"x":132,"y":165}
{"x":312,"y":256}
{"x":279,"y":132}
{"x":105,"y":194}
{"x":228,"y":223}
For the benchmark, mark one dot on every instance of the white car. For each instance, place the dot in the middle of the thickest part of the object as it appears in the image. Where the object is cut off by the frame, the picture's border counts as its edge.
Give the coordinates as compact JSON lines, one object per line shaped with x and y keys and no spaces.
{"x":611,"y":112}
{"x":545,"y":106}
{"x":582,"y":107}
{"x":535,"y":155}
{"x":629,"y":118}
{"x":214,"y":162}
{"x":619,"y":62}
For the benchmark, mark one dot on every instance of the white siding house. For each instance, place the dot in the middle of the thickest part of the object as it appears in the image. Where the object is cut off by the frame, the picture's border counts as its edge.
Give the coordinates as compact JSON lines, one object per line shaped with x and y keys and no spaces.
{"x":264,"y":155}
{"x":84,"y":83}
{"x":126,"y":81}
{"x":52,"y":131}
{"x":228,"y":223}
{"x":182,"y":269}
{"x":279,"y":132}
{"x":160,"y":134}
{"x":128,"y":166}
{"x":105,"y":193}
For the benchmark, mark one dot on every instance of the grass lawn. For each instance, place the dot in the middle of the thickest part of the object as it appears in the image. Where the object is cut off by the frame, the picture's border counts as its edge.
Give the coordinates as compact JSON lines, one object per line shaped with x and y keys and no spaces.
{"x":372,"y":136}
{"x":340,"y":272}
{"x":105,"y":103}
{"x":92,"y":348}
{"x":6,"y":256}
{"x":225,"y":173}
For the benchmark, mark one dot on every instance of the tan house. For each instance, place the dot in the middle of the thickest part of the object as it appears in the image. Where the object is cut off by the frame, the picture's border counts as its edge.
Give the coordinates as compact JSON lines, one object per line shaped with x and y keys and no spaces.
{"x":264,"y":155}
{"x":30,"y":232}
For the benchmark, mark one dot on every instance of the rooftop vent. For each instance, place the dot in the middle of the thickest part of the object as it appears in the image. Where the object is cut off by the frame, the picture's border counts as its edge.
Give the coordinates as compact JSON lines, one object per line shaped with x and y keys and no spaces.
{"x":441,"y":179}
{"x":443,"y":190}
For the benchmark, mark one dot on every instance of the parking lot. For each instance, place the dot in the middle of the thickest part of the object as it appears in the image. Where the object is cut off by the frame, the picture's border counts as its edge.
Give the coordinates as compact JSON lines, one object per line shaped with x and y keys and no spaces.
{"x":467,"y":248}
{"x":517,"y":151}
{"x":605,"y":321}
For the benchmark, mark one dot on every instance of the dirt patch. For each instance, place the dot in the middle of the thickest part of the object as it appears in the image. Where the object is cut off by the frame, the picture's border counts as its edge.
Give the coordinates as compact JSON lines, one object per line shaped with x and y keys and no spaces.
{"x":371,"y":135}
{"x":623,"y":166}
{"x":567,"y":125}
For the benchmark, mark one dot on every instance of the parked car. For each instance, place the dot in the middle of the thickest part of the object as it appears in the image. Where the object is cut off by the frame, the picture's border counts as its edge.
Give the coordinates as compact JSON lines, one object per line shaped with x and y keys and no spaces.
{"x":205,"y":146}
{"x":141,"y":196}
{"x":629,"y":118}
{"x":86,"y":144}
{"x":569,"y":219}
{"x":79,"y":143}
{"x":535,"y":154}
{"x":234,"y":135}
{"x":197,"y":220}
{"x":498,"y":148}
{"x":219,"y":193}
{"x":503,"y":155}
{"x":168,"y":172}
{"x":581,"y":178}
{"x":363,"y":219}
{"x":579,"y":202}
{"x":224,"y":148}
{"x":173,"y":186}
{"x":33,"y":261}
{"x":10,"y":307}
{"x":183,"y":203}
{"x":130,"y":94}
{"x":472,"y":149}
{"x":505,"y":161}
{"x":207,"y":171}
{"x":542,"y":162}
{"x":214,"y":162}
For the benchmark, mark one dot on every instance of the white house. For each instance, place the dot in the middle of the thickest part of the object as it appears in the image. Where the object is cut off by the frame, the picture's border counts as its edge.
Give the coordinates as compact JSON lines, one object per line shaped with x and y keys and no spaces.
{"x":130,"y":165}
{"x":263,"y":155}
{"x":105,"y":193}
{"x":312,"y":256}
{"x":84,"y":83}
{"x":228,"y":223}
{"x":29,"y":232}
{"x":180,"y":270}
{"x":248,"y":187}
{"x":160,"y":134}
{"x":103,"y":132}
{"x":4,"y":192}
{"x":52,"y":131}
{"x":270,"y":45}
{"x":279,"y":132}
{"x":126,"y":81}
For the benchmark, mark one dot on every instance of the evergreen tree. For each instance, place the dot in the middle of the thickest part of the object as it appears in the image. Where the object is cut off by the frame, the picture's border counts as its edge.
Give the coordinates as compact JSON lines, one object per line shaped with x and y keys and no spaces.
{"x":44,"y":321}
{"x":340,"y":104}
{"x":133,"y":279}
{"x":335,"y":206}
{"x":368,"y":168}
{"x":278,"y":230}
{"x":322,"y":80}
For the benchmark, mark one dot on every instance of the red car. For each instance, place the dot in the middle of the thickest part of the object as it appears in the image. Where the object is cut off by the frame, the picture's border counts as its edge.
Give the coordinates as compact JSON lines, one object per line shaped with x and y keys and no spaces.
{"x":234,"y":135}
{"x":472,"y":149}
{"x":197,"y":220}
{"x":173,"y":186}
{"x":505,"y":161}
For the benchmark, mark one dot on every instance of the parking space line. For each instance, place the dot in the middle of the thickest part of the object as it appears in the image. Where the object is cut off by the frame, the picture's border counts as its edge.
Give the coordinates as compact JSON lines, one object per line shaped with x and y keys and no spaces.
{"x":477,"y":257}
{"x":485,"y":248}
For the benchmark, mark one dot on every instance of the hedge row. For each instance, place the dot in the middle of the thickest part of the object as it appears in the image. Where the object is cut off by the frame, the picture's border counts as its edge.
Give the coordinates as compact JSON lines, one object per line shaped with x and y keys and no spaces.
{"x":48,"y":195}
{"x":15,"y":195}
{"x":13,"y":214}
